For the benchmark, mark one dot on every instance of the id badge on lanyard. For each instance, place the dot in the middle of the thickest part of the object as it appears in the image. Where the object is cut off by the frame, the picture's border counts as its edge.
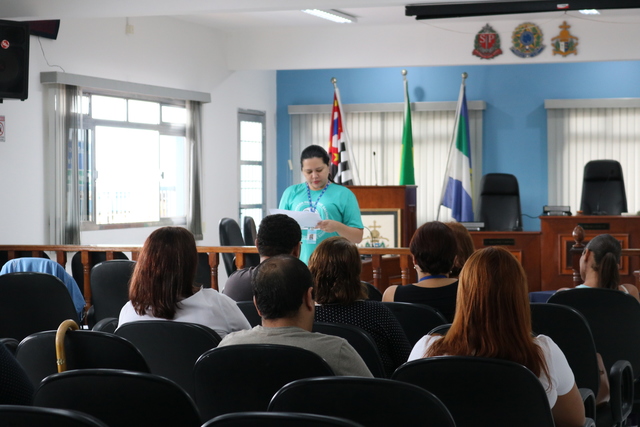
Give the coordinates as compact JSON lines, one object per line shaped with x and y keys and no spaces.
{"x":312,"y":236}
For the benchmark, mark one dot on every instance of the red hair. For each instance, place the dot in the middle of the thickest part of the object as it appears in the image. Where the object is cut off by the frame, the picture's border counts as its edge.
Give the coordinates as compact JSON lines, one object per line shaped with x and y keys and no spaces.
{"x":493,"y":317}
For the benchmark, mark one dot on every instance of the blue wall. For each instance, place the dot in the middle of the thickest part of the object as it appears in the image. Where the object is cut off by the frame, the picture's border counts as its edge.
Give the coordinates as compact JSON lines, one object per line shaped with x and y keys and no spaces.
{"x":515,"y":121}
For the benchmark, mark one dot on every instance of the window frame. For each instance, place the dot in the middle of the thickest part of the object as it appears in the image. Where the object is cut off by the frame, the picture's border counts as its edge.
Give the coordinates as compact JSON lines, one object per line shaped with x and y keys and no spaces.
{"x":89,"y":124}
{"x":259,"y":117}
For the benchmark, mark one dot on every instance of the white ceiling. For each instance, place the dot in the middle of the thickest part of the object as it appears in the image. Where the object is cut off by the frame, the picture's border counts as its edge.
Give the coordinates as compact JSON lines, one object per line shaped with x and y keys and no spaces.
{"x":230,"y":15}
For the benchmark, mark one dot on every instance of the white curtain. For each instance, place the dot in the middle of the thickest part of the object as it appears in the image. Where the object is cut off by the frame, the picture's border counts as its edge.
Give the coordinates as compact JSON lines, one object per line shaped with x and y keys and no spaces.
{"x":578,"y":135}
{"x":194,"y":141}
{"x":380,"y":132}
{"x":65,"y":140}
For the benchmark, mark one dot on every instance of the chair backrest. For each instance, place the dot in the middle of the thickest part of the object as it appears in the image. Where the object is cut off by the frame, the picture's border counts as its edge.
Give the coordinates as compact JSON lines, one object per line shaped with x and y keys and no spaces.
{"x":499,"y":203}
{"x":368,"y":401}
{"x":416,"y":319}
{"x":119,"y":398}
{"x":479,"y":391}
{"x":373,"y":293}
{"x":108,"y":324}
{"x":603,"y":188}
{"x":570,"y":330}
{"x":277,"y":419}
{"x":250,"y":234}
{"x":250,"y":311}
{"x":32,"y":302}
{"x":45,"y":265}
{"x":84,"y":350}
{"x":29,"y":416}
{"x":171,"y":348}
{"x":77,"y":269}
{"x":614,"y":319}
{"x":230,"y":235}
{"x":244,"y":377}
{"x":110,"y":287}
{"x":360,"y":340}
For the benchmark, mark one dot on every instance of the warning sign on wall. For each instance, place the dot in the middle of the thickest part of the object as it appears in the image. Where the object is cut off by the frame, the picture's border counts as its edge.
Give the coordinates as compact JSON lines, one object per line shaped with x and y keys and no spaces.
{"x":2,"y":129}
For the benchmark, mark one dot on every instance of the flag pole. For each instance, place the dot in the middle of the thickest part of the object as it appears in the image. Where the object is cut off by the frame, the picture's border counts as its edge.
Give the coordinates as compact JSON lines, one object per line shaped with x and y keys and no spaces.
{"x":453,"y":140}
{"x":356,"y":176}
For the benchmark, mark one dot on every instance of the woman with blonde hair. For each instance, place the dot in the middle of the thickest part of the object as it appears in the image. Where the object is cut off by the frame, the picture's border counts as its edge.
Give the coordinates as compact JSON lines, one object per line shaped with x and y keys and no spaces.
{"x":493,"y":320}
{"x":341,"y":298}
{"x":163,"y":286}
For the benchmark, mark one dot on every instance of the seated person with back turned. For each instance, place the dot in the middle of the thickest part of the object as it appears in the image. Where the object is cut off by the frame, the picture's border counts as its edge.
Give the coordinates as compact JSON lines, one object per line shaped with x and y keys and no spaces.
{"x":434,"y":251}
{"x":163,"y":286}
{"x":283,"y":295}
{"x":277,"y":235}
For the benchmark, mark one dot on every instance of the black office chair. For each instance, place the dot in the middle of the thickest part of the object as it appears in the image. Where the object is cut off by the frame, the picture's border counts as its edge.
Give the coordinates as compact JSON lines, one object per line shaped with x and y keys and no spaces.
{"x":171,"y":348}
{"x":360,"y":340}
{"x":482,"y":392}
{"x":230,"y":235}
{"x":373,"y":293}
{"x":614,"y":319}
{"x":368,"y":401}
{"x":84,"y":350}
{"x":416,"y":319}
{"x":244,"y":377}
{"x":499,"y":203}
{"x":29,"y":416}
{"x":119,"y":398}
{"x":77,"y":269}
{"x":250,"y":234}
{"x":32,"y":302}
{"x":603,"y":190}
{"x":570,"y":330}
{"x":278,"y":419}
{"x":109,"y":289}
{"x":108,"y":324}
{"x":250,"y":311}
{"x":203,"y":270}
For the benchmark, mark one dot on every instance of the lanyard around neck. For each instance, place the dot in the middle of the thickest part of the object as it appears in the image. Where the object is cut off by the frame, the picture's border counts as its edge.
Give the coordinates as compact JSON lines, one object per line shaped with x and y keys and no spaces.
{"x":312,"y":206}
{"x":433,"y":276}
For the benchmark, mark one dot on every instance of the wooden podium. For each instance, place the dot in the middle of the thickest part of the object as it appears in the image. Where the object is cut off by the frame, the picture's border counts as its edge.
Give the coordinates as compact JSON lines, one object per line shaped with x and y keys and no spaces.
{"x":556,"y":269}
{"x":392,"y":197}
{"x":402,"y":200}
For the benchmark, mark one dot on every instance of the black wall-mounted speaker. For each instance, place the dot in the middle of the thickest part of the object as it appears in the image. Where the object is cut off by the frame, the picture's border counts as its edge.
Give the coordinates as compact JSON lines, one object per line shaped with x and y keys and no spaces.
{"x":14,"y":60}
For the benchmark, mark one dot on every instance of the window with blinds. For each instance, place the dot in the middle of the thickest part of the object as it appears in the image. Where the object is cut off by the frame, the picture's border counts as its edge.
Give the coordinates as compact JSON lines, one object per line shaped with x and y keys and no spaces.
{"x":375,"y":132}
{"x":591,"y":129}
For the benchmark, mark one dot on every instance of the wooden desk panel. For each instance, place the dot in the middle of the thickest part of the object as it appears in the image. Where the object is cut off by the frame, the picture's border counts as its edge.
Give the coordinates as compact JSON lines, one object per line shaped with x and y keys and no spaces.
{"x":522,"y":244}
{"x":557,"y":239}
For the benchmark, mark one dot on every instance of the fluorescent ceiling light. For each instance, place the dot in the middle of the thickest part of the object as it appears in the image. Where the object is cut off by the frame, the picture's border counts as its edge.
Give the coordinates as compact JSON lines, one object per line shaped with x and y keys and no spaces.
{"x":589,"y":12}
{"x":332,"y":15}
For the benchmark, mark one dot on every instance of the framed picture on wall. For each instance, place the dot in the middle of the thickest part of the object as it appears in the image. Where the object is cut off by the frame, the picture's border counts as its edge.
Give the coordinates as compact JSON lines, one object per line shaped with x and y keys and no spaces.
{"x":381,"y":228}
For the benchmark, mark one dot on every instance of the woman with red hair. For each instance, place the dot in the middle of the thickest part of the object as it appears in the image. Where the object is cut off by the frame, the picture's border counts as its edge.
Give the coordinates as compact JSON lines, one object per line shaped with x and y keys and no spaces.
{"x":493,"y":320}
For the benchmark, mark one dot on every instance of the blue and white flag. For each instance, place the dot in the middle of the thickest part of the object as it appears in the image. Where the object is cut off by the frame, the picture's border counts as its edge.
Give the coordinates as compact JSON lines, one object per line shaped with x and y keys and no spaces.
{"x":456,"y":192}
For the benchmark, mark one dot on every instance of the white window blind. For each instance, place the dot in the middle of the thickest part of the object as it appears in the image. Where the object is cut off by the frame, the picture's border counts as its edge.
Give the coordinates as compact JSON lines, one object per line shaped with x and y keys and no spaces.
{"x":584,"y":130}
{"x":377,"y":128}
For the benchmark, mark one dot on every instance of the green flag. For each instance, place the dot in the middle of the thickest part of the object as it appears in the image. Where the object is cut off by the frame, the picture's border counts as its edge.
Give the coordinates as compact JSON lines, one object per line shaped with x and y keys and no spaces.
{"x":407,"y":177}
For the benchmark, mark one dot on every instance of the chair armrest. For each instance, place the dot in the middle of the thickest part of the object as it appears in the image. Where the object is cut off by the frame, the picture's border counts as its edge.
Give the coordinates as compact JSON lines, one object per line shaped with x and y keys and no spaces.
{"x":589,"y":401}
{"x":622,"y":387}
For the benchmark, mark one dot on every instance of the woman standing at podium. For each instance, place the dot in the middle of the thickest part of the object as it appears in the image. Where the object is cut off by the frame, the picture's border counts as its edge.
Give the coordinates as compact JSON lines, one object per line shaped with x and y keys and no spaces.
{"x":336,"y":205}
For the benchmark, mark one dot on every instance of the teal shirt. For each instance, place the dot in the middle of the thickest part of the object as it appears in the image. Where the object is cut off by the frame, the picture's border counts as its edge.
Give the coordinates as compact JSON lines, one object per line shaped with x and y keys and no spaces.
{"x":337,"y":203}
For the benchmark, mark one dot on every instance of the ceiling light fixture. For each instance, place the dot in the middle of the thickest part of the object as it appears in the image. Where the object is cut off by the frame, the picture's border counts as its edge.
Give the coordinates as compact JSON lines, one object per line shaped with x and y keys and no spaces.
{"x":589,"y":12}
{"x":332,"y":15}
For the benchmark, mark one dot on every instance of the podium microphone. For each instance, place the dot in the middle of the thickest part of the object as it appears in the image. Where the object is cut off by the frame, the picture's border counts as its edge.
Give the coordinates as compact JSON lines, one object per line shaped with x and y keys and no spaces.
{"x":375,"y":169}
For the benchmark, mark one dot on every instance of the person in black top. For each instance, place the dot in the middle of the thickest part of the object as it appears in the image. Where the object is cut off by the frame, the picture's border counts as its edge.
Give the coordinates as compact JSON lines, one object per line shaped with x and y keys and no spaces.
{"x":434,"y":251}
{"x":341,"y":298}
{"x":277,"y":235}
